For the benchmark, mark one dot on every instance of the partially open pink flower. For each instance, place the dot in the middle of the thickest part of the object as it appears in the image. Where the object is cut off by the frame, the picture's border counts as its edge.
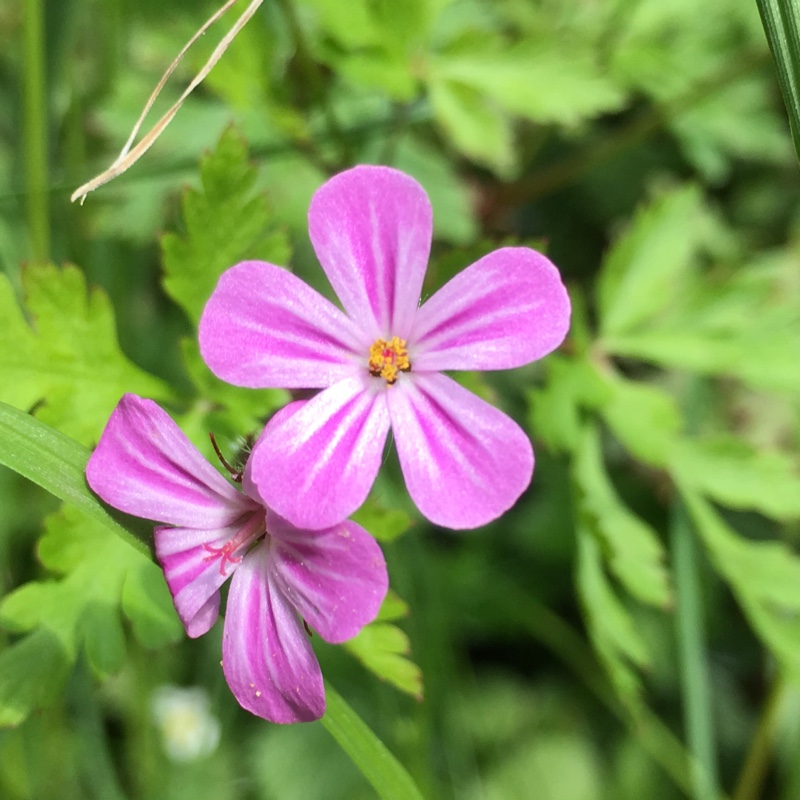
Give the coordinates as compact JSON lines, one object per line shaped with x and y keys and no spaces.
{"x":335,"y":579}
{"x":380,"y":362}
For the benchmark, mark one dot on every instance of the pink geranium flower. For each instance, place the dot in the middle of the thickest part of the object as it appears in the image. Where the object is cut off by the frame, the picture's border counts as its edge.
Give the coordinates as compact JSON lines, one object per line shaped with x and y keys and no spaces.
{"x":335,"y":579}
{"x":380,"y":362}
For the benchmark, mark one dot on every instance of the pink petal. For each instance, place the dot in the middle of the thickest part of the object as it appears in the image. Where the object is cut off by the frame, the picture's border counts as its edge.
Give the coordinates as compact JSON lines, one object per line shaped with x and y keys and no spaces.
{"x":264,"y":327}
{"x":507,"y":309}
{"x":316,"y":466}
{"x":144,"y":465}
{"x":371,"y":228}
{"x":266,"y":655}
{"x":465,"y":463}
{"x":335,"y":578}
{"x":197,"y":562}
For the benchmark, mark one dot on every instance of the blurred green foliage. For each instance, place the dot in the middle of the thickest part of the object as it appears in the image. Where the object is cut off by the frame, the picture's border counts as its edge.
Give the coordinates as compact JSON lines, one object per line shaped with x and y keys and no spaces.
{"x":643,"y":144}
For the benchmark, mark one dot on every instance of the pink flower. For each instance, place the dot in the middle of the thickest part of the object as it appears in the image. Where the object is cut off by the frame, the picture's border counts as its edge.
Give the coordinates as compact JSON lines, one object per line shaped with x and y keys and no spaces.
{"x":335,"y":579}
{"x":379,"y":363}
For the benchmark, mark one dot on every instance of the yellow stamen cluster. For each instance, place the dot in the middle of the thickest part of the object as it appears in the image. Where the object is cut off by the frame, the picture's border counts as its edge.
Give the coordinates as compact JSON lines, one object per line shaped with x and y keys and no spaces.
{"x":386,"y":359}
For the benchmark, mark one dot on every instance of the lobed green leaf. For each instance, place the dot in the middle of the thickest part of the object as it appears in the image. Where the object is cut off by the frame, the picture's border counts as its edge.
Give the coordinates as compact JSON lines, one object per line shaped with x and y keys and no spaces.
{"x":68,"y":360}
{"x":631,"y":547}
{"x":225,"y":222}
{"x":642,"y":272}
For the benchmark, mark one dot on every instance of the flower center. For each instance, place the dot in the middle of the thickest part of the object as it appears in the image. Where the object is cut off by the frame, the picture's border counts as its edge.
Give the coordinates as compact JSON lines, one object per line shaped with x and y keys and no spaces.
{"x":226,"y":553}
{"x":386,"y":359}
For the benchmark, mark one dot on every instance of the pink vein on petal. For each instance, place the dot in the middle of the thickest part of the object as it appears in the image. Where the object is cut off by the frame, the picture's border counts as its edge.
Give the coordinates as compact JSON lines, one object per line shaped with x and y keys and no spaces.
{"x":465,"y":462}
{"x":509,"y":308}
{"x":317,"y":466}
{"x":371,"y":228}
{"x":264,"y":327}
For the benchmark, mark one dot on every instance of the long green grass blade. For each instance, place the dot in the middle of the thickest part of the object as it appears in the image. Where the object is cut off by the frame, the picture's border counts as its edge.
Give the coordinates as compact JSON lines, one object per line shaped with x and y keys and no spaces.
{"x":781,"y":20}
{"x":58,"y":463}
{"x":368,"y":753}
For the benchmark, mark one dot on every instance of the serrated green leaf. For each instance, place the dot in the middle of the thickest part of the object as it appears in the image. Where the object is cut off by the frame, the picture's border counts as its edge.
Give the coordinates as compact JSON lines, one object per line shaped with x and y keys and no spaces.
{"x":382,"y":648}
{"x":69,"y":358}
{"x":32,"y":673}
{"x":743,"y":324}
{"x":58,"y":464}
{"x":643,"y":270}
{"x":644,"y":418}
{"x":82,"y":609}
{"x":572,"y":386}
{"x":765,"y":577}
{"x":781,"y":20}
{"x":476,"y":128}
{"x":224,"y":223}
{"x":733,"y":473}
{"x":631,"y":547}
{"x":541,"y":81}
{"x":611,"y":627}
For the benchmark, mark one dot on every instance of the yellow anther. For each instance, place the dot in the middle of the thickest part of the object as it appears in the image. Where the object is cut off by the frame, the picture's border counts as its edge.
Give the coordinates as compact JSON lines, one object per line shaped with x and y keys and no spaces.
{"x":386,"y":359}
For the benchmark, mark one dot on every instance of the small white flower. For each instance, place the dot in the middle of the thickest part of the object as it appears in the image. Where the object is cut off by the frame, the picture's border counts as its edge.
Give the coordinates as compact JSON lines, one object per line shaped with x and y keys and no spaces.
{"x":188,"y":727}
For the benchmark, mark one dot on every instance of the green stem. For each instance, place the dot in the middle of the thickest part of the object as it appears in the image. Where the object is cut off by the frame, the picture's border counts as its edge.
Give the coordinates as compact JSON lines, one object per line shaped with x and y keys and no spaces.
{"x":698,"y":716}
{"x":35,"y":131}
{"x":751,"y":778}
{"x":384,"y":772}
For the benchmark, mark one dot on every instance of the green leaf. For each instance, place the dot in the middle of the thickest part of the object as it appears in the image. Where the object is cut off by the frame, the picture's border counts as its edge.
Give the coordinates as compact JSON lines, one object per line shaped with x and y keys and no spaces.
{"x":385,"y":524}
{"x":557,"y":409}
{"x":781,"y":20}
{"x":737,"y":475}
{"x":743,"y":324}
{"x":83,"y":608}
{"x":642,"y":272}
{"x":225,"y":223}
{"x":225,"y":410}
{"x":356,"y":28}
{"x":382,"y":647}
{"x":475,"y":125}
{"x":632,"y":548}
{"x":58,"y":464}
{"x":69,"y":357}
{"x":542,"y":81}
{"x":32,"y":674}
{"x":453,"y":207}
{"x":765,"y":576}
{"x":644,"y":418}
{"x":611,"y":627}
{"x":384,"y":772}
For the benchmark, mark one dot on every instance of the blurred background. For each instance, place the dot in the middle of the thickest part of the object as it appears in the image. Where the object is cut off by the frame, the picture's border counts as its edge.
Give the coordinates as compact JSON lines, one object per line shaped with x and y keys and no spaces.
{"x":630,"y":629}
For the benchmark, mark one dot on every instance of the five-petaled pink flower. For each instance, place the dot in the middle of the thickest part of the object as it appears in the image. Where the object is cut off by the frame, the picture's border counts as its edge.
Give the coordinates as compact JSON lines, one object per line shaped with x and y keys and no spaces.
{"x":335,"y":579}
{"x":380,"y":362}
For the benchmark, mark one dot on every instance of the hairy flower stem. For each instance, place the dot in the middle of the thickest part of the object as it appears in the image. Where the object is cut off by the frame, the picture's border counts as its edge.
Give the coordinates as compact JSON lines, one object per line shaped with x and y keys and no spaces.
{"x":35,"y":131}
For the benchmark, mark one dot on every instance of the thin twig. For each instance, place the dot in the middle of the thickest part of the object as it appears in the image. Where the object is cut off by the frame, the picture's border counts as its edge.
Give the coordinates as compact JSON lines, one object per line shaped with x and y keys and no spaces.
{"x":130,"y":155}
